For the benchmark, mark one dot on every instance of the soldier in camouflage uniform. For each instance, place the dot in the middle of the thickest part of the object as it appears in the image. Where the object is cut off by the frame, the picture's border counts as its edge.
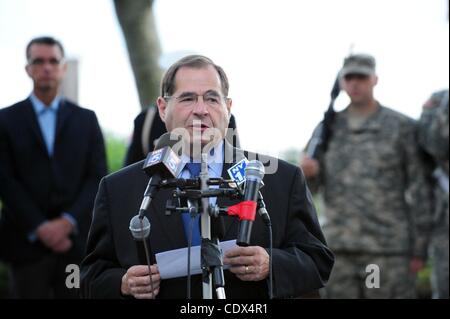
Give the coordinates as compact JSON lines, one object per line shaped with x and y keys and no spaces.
{"x":433,"y":137}
{"x":376,"y":212}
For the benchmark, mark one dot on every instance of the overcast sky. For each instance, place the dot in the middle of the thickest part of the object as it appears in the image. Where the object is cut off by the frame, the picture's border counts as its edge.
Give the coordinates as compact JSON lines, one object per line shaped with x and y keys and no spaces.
{"x":281,"y":56}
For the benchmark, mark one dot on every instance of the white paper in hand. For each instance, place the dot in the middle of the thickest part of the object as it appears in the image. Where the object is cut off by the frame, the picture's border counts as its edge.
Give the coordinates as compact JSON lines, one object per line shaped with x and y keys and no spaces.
{"x":173,"y":263}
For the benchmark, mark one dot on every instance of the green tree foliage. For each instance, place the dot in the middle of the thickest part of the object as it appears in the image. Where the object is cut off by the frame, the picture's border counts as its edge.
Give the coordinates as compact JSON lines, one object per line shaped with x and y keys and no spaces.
{"x":291,"y":155}
{"x":116,"y":149}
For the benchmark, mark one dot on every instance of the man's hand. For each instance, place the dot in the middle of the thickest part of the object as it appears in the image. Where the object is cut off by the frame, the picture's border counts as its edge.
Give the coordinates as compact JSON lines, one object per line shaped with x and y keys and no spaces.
{"x":136,"y":282}
{"x":54,"y":233}
{"x":310,"y":167}
{"x":63,"y":246}
{"x":248,"y":263}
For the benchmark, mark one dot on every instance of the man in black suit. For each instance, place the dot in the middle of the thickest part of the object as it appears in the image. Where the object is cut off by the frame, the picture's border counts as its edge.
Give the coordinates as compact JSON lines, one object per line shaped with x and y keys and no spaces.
{"x":194,"y":98}
{"x":52,"y":157}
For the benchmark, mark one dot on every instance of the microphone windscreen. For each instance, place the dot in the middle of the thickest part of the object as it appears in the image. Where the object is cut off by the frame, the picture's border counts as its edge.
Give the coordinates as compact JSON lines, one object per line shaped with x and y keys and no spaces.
{"x":254,"y":169}
{"x":136,"y":228}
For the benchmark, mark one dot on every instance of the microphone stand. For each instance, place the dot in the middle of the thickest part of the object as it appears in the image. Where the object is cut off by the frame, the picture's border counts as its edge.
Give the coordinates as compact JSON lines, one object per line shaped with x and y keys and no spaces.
{"x":205,"y":225}
{"x":193,"y":211}
{"x":211,"y":255}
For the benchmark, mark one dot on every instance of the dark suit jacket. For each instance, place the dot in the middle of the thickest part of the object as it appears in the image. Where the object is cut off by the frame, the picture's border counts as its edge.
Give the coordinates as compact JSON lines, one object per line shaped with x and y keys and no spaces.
{"x":135,"y":152}
{"x":301,"y":261}
{"x":36,"y":187}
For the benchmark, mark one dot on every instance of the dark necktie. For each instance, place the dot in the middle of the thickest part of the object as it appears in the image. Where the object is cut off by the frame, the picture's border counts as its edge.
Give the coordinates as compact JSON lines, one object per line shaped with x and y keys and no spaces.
{"x":194,"y":169}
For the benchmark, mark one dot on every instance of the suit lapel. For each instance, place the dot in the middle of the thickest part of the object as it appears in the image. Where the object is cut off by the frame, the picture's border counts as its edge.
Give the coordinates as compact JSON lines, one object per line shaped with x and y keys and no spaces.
{"x":64,"y":112}
{"x":31,"y":119}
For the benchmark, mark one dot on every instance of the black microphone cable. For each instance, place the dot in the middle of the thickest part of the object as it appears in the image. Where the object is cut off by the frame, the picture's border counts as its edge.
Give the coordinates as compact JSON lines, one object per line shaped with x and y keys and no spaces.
{"x":147,"y":256}
{"x":193,"y":213}
{"x":270,"y":261}
{"x":262,"y":211}
{"x":191,"y":230}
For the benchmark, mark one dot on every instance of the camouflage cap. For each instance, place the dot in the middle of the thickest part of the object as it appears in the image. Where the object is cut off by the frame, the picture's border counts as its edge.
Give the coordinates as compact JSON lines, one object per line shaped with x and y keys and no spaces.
{"x":358,"y":64}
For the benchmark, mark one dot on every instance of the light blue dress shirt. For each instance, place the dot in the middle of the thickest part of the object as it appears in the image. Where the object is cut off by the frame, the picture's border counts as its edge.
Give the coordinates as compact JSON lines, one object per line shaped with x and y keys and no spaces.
{"x":47,"y":117}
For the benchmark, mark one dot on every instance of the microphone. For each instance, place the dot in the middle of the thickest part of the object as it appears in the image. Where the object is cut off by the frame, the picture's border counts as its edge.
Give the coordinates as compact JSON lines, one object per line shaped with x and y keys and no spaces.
{"x":141,"y":238}
{"x":160,"y":164}
{"x":254,"y":173}
{"x":237,"y":174}
{"x":140,"y":230}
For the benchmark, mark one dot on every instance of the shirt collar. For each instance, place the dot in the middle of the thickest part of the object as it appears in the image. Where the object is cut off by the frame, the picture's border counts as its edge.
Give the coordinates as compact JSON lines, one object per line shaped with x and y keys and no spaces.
{"x":39,"y":107}
{"x":215,"y":159}
{"x":373,"y":122}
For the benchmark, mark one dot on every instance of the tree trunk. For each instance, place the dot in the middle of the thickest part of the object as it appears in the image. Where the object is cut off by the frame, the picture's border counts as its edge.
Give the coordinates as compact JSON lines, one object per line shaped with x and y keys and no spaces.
{"x":139,"y":29}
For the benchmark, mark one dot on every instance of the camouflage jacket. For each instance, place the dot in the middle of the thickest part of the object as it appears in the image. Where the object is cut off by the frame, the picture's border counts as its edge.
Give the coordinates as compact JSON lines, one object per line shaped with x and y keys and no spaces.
{"x":373,"y":182}
{"x":434,"y":128}
{"x":433,"y":137}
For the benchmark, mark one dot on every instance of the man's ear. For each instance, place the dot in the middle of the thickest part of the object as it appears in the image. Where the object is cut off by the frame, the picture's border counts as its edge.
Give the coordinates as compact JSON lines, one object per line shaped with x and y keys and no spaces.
{"x":229,"y":105}
{"x":27,"y":69}
{"x":161,"y":103}
{"x":375,"y":80}
{"x":65,"y":65}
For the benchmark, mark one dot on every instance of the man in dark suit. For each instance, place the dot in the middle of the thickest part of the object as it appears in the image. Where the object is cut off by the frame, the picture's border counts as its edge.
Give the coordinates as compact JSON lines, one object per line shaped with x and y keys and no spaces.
{"x":194,"y":98}
{"x":52,"y":157}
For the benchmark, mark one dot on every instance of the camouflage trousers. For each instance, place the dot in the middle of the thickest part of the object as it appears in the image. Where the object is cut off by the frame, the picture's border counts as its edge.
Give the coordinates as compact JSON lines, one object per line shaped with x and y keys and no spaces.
{"x":360,"y":276}
{"x":439,"y":254}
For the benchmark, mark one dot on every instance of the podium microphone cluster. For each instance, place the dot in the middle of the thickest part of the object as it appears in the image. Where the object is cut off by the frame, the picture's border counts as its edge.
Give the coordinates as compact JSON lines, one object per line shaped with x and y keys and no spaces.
{"x":162,"y":163}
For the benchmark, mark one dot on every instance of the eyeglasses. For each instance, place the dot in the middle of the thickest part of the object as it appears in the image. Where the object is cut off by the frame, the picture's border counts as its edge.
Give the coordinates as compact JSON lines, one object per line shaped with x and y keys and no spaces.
{"x":41,"y":61}
{"x":211,"y":98}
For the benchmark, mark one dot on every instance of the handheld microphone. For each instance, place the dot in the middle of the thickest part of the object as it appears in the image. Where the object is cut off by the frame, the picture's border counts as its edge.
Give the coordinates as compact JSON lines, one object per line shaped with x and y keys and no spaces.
{"x":140,"y":230}
{"x":161,"y":163}
{"x":254,"y":173}
{"x":237,"y":174}
{"x":244,"y":234}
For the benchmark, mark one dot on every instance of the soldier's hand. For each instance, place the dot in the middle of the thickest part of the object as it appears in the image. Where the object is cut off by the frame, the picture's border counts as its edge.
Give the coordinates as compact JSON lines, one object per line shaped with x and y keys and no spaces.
{"x":310,"y":167}
{"x":416,"y":265}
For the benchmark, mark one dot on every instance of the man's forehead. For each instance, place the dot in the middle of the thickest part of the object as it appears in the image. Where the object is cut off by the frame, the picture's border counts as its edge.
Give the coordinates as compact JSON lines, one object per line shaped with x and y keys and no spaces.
{"x":48,"y":49}
{"x":192,"y":76}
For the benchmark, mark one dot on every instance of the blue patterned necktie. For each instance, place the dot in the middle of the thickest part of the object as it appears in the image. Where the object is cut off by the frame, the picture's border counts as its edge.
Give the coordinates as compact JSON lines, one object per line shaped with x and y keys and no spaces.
{"x":194,"y":169}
